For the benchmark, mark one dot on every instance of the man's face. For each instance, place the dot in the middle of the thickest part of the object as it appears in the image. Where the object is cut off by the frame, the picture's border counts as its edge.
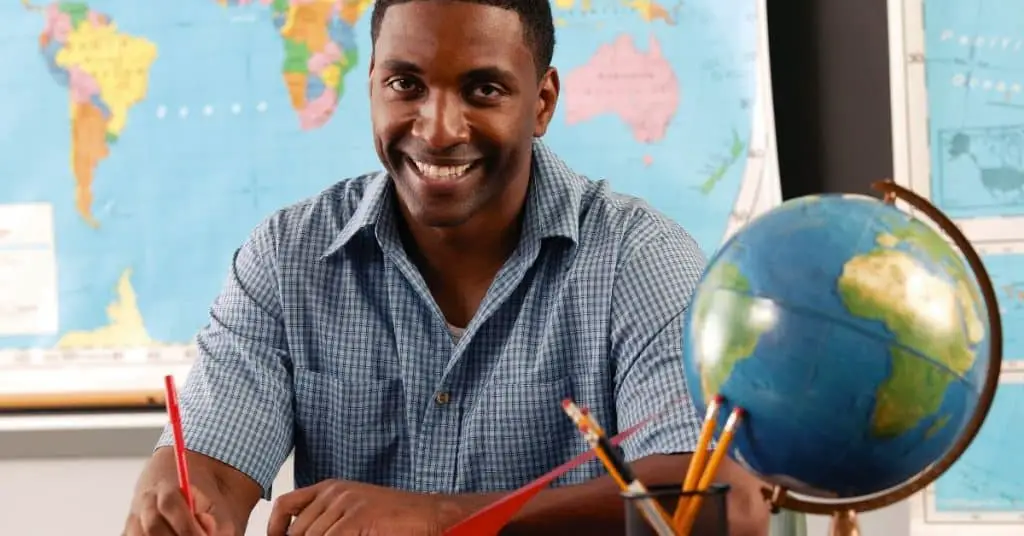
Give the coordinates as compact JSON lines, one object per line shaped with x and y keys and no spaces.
{"x":455,"y":103}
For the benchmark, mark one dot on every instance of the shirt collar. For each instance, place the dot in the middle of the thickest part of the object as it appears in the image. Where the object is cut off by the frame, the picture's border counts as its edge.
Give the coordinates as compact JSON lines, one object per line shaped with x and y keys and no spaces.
{"x":552,"y":203}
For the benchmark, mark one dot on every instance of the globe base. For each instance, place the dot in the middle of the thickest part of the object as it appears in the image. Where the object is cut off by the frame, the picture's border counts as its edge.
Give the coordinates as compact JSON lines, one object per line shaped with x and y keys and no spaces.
{"x":844,"y":523}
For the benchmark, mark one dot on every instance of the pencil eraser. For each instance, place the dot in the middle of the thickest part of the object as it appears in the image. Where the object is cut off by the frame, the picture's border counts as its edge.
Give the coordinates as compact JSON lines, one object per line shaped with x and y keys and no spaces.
{"x":740,"y":412}
{"x":566,"y":403}
{"x":719,"y":399}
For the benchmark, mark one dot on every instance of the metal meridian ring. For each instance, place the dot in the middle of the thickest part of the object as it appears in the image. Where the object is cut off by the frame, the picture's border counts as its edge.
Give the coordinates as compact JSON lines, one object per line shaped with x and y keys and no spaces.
{"x":779,"y":497}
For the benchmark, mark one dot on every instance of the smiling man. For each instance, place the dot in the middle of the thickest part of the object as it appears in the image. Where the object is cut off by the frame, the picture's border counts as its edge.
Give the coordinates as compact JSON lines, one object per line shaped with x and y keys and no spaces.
{"x":411,"y":333}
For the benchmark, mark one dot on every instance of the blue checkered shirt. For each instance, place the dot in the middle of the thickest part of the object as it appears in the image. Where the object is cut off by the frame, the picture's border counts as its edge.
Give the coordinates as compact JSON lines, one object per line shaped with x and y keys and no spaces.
{"x":325,"y":339}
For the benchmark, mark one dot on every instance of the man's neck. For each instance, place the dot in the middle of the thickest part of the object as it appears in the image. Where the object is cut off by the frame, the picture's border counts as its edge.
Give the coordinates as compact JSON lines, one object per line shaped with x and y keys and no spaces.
{"x":476,"y":249}
{"x":459,"y":264}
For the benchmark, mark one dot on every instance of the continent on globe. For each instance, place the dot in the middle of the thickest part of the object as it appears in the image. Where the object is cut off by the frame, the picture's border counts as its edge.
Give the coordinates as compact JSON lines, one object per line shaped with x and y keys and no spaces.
{"x":125,"y":327}
{"x":934,"y":247}
{"x":319,"y":50}
{"x":872,"y":287}
{"x":743,"y":334}
{"x":106,"y":73}
{"x":619,"y":79}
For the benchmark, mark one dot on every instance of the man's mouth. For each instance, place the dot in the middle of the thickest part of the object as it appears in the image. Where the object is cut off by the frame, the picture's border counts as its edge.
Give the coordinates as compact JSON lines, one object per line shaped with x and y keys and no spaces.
{"x":441,"y":172}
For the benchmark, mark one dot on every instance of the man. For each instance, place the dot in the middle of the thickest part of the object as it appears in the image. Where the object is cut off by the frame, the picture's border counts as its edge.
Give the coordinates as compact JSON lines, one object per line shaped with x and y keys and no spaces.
{"x":412,"y":334}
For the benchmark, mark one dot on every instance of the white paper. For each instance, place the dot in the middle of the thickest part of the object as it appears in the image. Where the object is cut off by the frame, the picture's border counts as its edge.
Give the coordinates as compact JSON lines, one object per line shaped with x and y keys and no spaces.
{"x":28,"y":271}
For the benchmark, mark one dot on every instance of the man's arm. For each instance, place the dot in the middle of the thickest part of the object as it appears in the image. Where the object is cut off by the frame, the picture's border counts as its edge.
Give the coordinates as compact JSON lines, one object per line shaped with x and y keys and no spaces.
{"x":232,"y":493}
{"x":596,"y":507}
{"x":236,"y":405}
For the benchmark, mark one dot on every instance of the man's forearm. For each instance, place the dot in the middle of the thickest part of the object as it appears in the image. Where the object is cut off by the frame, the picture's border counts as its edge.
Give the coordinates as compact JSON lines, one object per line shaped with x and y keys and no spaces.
{"x":594,"y":507}
{"x":232,"y":500}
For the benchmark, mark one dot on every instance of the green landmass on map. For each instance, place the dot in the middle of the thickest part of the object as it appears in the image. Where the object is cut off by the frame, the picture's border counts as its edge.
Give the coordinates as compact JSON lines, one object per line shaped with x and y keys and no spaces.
{"x":735,"y":151}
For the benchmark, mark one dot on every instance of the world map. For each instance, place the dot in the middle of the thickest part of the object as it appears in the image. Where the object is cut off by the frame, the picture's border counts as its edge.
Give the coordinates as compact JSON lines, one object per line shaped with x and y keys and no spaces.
{"x":142,"y":143}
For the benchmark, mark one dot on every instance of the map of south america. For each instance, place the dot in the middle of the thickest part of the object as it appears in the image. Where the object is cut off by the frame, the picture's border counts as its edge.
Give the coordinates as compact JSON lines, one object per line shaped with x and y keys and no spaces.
{"x":106,"y":73}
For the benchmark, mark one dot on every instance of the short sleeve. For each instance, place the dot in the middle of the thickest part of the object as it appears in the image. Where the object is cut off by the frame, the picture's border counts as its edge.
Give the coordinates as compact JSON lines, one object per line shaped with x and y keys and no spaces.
{"x":236,"y":403}
{"x":652,"y":291}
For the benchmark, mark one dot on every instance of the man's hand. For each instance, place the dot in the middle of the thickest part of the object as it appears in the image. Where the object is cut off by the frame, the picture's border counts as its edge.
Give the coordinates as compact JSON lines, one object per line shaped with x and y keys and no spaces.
{"x":335,"y":507}
{"x":162,"y":511}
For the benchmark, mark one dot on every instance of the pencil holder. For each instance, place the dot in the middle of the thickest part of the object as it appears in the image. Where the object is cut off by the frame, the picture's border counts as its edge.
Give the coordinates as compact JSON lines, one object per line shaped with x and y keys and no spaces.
{"x":711,"y":520}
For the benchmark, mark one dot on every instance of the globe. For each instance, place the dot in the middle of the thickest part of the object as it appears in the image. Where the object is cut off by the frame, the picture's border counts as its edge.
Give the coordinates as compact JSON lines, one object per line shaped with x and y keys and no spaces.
{"x":854,"y":336}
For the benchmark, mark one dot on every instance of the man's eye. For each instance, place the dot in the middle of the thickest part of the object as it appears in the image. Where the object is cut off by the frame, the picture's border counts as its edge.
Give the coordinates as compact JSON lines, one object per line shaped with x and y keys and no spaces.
{"x":487,"y":91}
{"x":403,"y":85}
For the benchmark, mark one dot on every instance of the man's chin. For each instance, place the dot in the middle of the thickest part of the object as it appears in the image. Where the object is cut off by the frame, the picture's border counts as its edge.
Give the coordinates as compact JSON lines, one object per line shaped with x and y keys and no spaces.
{"x":441,"y":219}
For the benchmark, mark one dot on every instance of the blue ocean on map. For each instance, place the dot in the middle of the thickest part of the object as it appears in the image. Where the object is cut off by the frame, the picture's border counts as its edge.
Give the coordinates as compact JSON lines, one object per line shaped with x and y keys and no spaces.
{"x":1008,"y":280}
{"x":989,"y":477}
{"x":975,"y":77}
{"x":215,"y":146}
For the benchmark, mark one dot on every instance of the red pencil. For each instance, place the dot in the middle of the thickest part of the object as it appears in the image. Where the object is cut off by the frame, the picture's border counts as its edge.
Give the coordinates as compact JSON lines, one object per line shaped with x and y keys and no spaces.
{"x":179,"y":441}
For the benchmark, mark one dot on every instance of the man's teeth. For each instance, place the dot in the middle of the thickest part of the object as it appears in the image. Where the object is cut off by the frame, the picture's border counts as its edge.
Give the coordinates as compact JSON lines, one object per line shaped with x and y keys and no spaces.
{"x":441,"y":172}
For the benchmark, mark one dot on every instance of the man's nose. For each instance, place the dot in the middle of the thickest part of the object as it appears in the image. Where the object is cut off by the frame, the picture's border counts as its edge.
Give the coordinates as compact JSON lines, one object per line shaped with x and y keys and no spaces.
{"x":441,"y":123}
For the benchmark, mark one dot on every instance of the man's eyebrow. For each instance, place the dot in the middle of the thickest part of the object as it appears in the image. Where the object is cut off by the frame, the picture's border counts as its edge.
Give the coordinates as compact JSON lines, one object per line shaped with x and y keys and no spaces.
{"x":490,"y":73}
{"x":402,"y":66}
{"x":481,"y":73}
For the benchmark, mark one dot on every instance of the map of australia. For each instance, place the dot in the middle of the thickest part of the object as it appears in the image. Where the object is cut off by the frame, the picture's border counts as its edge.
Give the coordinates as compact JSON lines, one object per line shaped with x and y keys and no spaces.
{"x":639,"y":87}
{"x":106,"y":73}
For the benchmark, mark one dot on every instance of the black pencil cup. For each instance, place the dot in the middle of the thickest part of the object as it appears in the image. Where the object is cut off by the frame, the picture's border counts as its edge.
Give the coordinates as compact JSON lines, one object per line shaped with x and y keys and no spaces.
{"x":712,"y":518}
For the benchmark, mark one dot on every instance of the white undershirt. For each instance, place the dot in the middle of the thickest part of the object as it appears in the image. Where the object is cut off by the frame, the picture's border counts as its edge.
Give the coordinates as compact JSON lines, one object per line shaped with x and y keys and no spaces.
{"x":456,"y":332}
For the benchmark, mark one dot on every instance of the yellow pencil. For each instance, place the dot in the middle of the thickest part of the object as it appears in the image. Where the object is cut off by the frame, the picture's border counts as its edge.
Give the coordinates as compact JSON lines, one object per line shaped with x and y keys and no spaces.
{"x":708,"y":476}
{"x":658,"y":518}
{"x":700,"y":456}
{"x":609,"y":465}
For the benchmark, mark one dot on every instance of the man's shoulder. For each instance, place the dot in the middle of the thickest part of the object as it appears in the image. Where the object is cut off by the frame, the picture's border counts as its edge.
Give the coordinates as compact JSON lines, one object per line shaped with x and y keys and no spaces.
{"x":632,"y":222}
{"x":313,"y":223}
{"x":651,"y":262}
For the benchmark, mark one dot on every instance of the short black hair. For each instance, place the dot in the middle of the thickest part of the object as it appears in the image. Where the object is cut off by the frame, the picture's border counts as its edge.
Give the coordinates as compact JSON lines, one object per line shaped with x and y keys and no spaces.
{"x":534,"y":15}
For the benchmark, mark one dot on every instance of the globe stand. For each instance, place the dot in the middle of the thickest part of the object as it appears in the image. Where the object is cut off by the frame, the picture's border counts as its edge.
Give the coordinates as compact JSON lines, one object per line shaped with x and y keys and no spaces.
{"x":844,"y":513}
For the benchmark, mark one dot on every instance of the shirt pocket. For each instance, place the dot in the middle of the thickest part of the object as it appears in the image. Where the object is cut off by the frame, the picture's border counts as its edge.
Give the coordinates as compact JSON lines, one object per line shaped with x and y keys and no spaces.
{"x":518,"y":431}
{"x":345,"y":428}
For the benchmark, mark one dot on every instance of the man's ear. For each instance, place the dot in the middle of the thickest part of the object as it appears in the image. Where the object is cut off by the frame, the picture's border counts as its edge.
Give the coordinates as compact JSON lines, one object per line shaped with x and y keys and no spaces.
{"x":547,"y":99}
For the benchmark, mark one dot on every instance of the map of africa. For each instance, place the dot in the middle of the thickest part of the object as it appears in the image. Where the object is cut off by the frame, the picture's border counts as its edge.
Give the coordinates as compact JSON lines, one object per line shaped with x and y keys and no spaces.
{"x":962,"y":72}
{"x":144,"y":142}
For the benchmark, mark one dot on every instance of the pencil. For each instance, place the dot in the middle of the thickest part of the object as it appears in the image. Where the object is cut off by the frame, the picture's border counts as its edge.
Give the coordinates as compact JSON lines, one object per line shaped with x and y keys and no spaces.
{"x":174,"y":414}
{"x":693,"y":506}
{"x":700,"y":456}
{"x":618,"y":468}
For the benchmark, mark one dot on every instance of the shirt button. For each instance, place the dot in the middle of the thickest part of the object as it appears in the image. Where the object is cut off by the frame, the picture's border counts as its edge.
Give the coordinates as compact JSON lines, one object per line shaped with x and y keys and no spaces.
{"x":442,"y":398}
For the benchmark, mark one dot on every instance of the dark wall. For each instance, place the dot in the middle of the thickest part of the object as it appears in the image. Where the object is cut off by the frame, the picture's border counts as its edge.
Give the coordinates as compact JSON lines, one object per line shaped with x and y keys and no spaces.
{"x":830,"y":79}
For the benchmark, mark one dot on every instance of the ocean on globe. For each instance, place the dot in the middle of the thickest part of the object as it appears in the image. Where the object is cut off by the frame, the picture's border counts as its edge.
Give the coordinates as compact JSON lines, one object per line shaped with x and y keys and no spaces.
{"x":855,"y":337}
